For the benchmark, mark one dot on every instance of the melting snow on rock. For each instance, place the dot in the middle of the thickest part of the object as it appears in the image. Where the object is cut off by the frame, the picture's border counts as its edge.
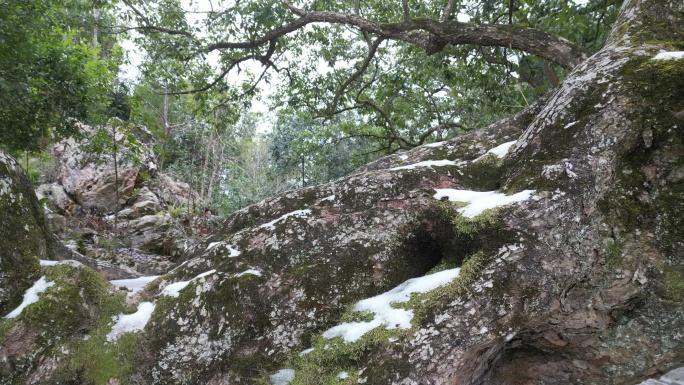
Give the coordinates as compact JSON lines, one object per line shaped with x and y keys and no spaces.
{"x":384,"y":313}
{"x":427,"y":163}
{"x":131,"y":322}
{"x":283,"y":377}
{"x":133,"y":284}
{"x":249,"y":271}
{"x":500,"y":151}
{"x":479,"y":201}
{"x":173,"y":290}
{"x":216,"y":245}
{"x":435,"y":144}
{"x":56,"y":263}
{"x":676,"y":55}
{"x":31,"y":296}
{"x":296,"y":213}
{"x":306,"y":351}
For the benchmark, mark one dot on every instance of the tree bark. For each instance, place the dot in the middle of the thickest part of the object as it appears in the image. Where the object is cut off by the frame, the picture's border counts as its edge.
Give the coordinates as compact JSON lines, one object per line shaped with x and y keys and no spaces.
{"x":580,"y":284}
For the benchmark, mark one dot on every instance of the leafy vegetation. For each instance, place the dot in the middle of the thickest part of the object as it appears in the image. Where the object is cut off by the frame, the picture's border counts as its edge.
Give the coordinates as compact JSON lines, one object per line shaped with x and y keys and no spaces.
{"x":368,"y":61}
{"x":342,"y":91}
{"x":54,"y":72}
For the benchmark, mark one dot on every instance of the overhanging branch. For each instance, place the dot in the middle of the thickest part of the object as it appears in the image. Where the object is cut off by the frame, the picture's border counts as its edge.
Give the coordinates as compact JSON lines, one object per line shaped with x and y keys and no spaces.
{"x":432,"y":35}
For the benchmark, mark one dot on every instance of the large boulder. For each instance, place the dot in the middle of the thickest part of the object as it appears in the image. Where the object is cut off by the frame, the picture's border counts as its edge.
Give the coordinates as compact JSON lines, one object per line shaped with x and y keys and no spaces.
{"x":580,"y":281}
{"x":176,"y":193}
{"x":156,"y":233}
{"x":145,"y":203}
{"x":91,"y":184}
{"x":94,"y":186}
{"x":56,"y":197}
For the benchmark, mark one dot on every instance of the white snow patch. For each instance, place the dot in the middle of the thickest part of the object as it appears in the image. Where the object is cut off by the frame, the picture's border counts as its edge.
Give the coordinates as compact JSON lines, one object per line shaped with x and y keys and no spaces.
{"x":330,"y":198}
{"x":133,"y":284}
{"x":435,"y":144}
{"x":56,"y":263}
{"x":403,"y":156}
{"x":479,"y":201}
{"x":384,"y":313}
{"x":31,"y":296}
{"x":173,"y":290}
{"x":232,"y":251}
{"x":296,"y":213}
{"x":500,"y":151}
{"x":427,"y":163}
{"x":342,"y":375}
{"x":570,"y":124}
{"x":306,"y":351}
{"x":250,"y":271}
{"x":663,"y":55}
{"x":131,"y":322}
{"x":283,"y":377}
{"x":210,"y":272}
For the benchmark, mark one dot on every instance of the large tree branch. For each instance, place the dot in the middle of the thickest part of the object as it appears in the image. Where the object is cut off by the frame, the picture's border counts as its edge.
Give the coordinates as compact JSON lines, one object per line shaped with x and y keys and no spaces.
{"x":535,"y":41}
{"x":433,"y":35}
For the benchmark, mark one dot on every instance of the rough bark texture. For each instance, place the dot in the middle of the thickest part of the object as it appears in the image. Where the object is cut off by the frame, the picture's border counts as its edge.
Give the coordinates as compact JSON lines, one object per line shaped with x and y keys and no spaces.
{"x":583,"y":283}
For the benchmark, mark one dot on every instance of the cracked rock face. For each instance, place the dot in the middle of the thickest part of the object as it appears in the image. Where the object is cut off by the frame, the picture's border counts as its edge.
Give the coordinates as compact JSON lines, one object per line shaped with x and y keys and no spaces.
{"x":581,"y":281}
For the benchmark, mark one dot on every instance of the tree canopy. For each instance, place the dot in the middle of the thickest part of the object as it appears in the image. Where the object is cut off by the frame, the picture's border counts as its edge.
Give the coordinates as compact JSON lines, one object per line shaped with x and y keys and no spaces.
{"x":52,"y":73}
{"x":412,"y":71}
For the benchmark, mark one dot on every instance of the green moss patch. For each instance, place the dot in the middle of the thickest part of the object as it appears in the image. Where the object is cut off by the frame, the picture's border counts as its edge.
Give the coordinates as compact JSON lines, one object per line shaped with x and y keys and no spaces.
{"x":5,"y":326}
{"x":72,"y":319}
{"x":673,"y":282}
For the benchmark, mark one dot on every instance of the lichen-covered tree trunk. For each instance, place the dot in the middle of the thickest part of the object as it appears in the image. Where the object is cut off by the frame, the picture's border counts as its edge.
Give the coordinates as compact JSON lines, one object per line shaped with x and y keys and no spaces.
{"x":593,"y":290}
{"x":581,"y":284}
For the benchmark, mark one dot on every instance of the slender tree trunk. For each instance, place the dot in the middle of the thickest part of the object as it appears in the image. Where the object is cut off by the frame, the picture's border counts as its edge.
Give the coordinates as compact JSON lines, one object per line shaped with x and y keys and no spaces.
{"x":96,"y":13}
{"x":115,"y":151}
{"x":166,"y":126}
{"x":205,"y":166}
{"x":302,"y":170}
{"x":214,"y":170}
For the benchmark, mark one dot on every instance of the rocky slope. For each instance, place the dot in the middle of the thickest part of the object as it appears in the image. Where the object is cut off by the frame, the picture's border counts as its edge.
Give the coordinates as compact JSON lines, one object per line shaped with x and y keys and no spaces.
{"x":550,"y":244}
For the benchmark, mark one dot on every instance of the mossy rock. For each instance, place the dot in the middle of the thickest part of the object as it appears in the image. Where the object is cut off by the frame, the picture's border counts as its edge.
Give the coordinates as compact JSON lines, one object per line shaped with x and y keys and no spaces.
{"x":66,"y":331}
{"x":24,"y":234}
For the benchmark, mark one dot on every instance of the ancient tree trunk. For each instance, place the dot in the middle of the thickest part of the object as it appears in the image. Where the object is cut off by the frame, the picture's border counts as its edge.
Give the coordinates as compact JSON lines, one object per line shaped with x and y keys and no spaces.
{"x":580,"y":284}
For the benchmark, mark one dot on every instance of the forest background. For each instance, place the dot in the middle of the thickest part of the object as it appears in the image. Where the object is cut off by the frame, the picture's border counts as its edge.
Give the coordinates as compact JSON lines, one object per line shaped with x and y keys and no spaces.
{"x":336,"y":99}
